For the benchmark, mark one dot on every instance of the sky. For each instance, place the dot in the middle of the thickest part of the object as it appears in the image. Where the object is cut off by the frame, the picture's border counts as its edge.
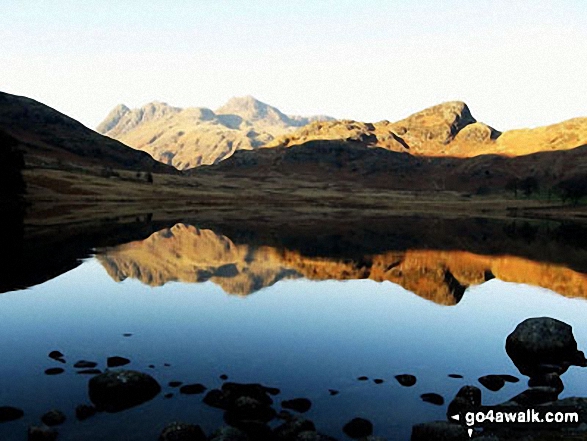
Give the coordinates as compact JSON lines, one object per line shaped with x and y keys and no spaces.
{"x":515,"y":63}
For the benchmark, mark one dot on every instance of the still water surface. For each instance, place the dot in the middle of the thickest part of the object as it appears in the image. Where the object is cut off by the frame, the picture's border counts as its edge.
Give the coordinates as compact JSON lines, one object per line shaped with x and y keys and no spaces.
{"x":302,"y":336}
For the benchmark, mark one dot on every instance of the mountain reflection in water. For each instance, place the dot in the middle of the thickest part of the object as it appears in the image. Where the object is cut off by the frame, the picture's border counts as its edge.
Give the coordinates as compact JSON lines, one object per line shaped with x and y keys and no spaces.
{"x":189,"y":254}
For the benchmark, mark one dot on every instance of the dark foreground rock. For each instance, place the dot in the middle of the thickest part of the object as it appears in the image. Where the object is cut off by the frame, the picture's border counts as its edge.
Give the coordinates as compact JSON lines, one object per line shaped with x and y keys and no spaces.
{"x":42,"y":433}
{"x":182,"y":432}
{"x":298,"y":404}
{"x":432,"y":398}
{"x":439,"y":431}
{"x":114,"y":391}
{"x":467,"y":398}
{"x":358,"y":428}
{"x":9,"y":413}
{"x":543,"y":344}
{"x":84,"y":411}
{"x":192,"y":389}
{"x":85,"y":364}
{"x":117,"y":361}
{"x":290,"y":429}
{"x":53,"y":418}
{"x":228,"y":433}
{"x":406,"y":380}
{"x":492,"y":382}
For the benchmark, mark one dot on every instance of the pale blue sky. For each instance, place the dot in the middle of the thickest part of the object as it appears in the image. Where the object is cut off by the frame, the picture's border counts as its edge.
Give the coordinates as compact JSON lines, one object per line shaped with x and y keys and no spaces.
{"x":516,"y":65}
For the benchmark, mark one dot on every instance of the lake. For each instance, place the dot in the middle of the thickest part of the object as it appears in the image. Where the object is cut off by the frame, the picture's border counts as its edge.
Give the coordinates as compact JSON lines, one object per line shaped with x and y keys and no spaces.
{"x":308,"y":314}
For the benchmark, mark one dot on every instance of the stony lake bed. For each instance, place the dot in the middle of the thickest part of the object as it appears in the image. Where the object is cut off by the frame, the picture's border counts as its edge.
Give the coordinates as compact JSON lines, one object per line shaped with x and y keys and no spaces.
{"x":311,"y":348}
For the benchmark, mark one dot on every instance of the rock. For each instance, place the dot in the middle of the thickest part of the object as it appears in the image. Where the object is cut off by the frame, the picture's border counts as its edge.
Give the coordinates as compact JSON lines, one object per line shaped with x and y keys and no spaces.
{"x":551,"y":380}
{"x":363,"y":378}
{"x":84,"y":411}
{"x":509,"y":378}
{"x":228,"y":433}
{"x":406,"y":380}
{"x":310,"y":435}
{"x":42,"y":433}
{"x":8,"y":413}
{"x":217,"y":398}
{"x":439,"y":431}
{"x":289,"y":430}
{"x":492,"y":382}
{"x":255,"y":430}
{"x":471,"y":394}
{"x":535,"y":396}
{"x":226,"y":397}
{"x":117,"y":361}
{"x":192,"y":389}
{"x":298,"y":404}
{"x":432,"y":398}
{"x":54,"y":371}
{"x":223,"y":377}
{"x":455,"y":375}
{"x":333,"y":392}
{"x":57,"y":356}
{"x":127,"y":334}
{"x":543,"y":341}
{"x":458,"y":405}
{"x":89,"y":372}
{"x":358,"y":428}
{"x":85,"y":364}
{"x":248,"y":409}
{"x":53,"y":418}
{"x":378,"y":381}
{"x":114,"y":391}
{"x":182,"y":432}
{"x":175,"y":383}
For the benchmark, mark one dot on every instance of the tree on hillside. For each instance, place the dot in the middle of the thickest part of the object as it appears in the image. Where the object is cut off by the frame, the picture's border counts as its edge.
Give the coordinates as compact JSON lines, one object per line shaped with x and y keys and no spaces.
{"x":573,"y":189}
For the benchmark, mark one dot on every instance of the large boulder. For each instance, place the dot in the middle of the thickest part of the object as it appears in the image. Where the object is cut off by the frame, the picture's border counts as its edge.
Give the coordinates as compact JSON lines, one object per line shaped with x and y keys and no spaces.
{"x":114,"y":391}
{"x":542,"y":344}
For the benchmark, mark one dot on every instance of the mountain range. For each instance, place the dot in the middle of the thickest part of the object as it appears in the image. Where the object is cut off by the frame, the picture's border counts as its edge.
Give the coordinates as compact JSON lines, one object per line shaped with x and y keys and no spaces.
{"x":187,"y":138}
{"x":194,"y":136}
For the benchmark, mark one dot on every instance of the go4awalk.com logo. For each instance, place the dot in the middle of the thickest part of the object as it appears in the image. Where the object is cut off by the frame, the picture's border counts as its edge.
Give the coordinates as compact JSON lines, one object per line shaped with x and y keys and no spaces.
{"x":518,"y":417}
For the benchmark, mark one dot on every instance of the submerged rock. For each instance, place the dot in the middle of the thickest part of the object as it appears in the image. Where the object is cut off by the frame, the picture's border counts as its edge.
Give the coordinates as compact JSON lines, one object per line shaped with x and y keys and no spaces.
{"x":54,"y":371}
{"x":192,"y":389}
{"x":333,"y":392}
{"x":406,"y":380}
{"x":378,"y":381}
{"x":9,"y":413}
{"x":89,"y":372}
{"x":117,"y":361}
{"x":227,"y":433}
{"x":223,"y":377}
{"x":114,"y":391}
{"x":492,"y":382}
{"x":290,"y":429}
{"x":85,"y":364}
{"x":543,"y":341}
{"x":362,"y":378}
{"x":432,"y":398}
{"x":42,"y":433}
{"x":358,"y":428}
{"x":85,"y":411}
{"x":57,"y":356}
{"x":455,"y":375}
{"x":182,"y":432}
{"x":298,"y":404}
{"x":53,"y":418}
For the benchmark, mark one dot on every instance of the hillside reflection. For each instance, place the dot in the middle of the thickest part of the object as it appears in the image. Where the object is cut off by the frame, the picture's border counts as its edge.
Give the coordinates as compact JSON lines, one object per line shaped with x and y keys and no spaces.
{"x":189,"y":254}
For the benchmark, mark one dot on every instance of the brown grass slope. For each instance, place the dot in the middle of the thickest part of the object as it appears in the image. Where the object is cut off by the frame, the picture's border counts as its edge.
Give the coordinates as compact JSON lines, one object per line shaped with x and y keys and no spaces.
{"x":48,"y":138}
{"x":186,"y":138}
{"x":363,"y":164}
{"x":448,"y":129}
